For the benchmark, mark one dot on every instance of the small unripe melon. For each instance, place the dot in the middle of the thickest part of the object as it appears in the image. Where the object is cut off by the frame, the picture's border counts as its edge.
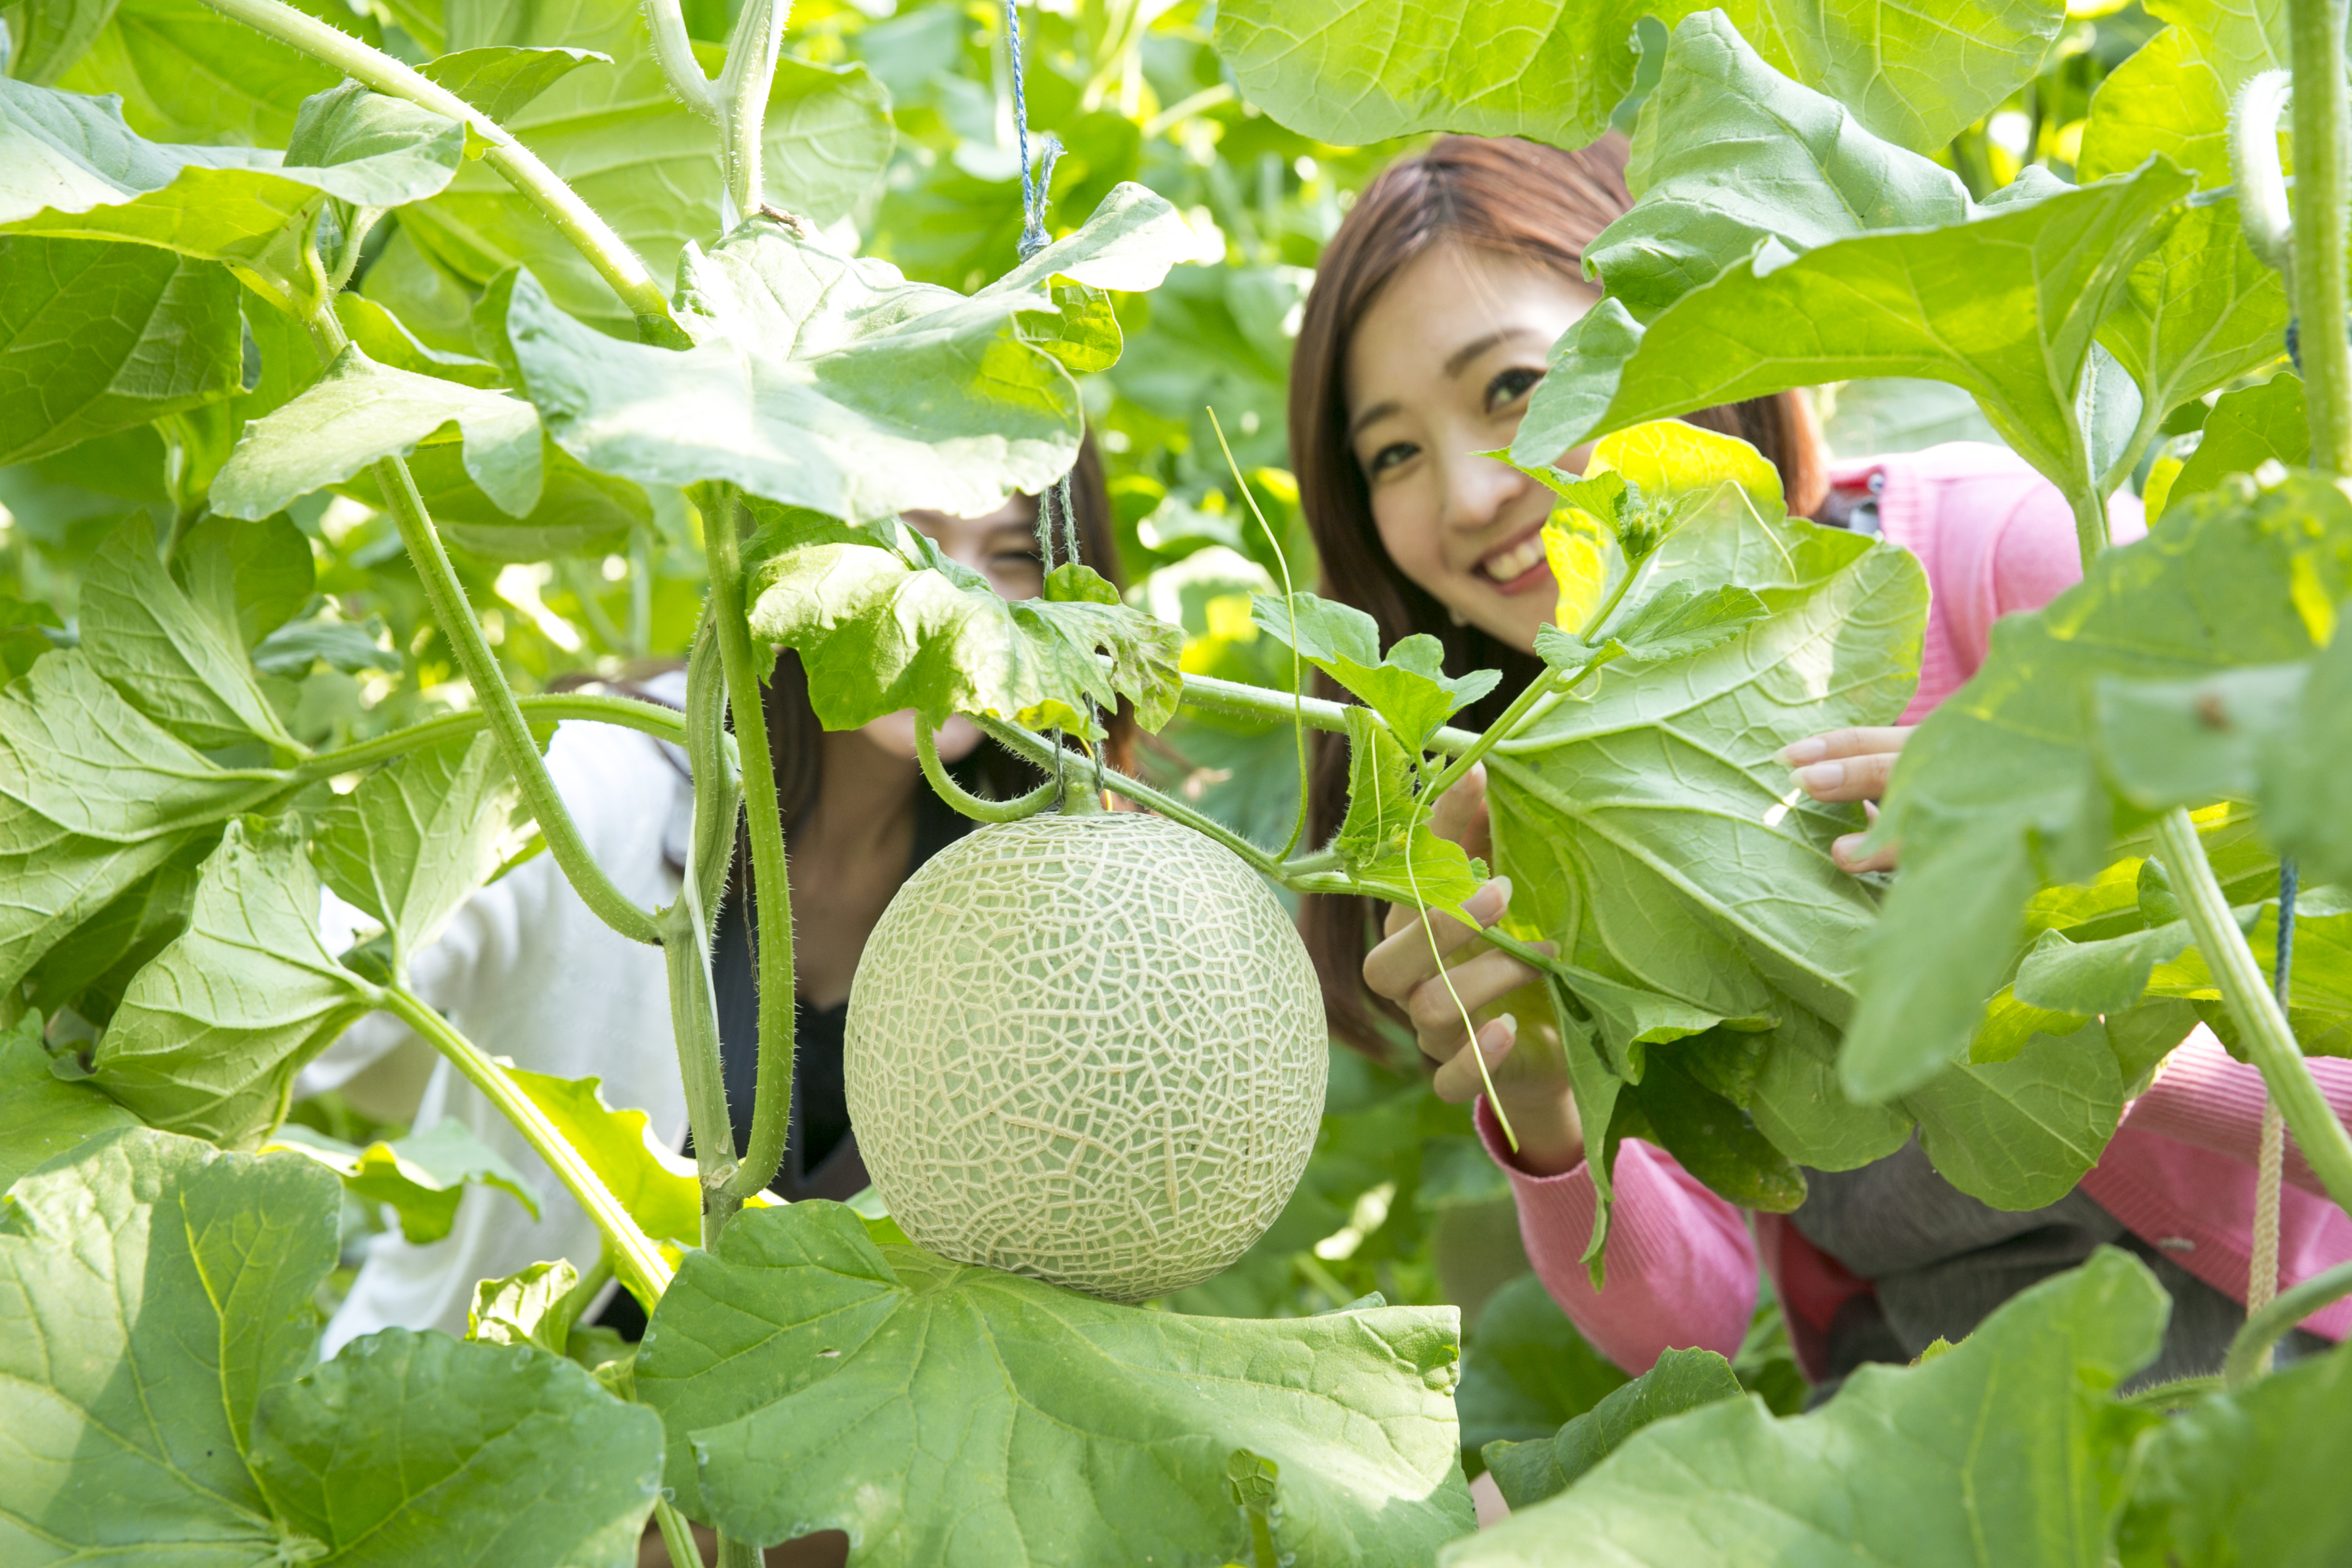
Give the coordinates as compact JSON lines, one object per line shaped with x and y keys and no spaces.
{"x":1085,"y":1049}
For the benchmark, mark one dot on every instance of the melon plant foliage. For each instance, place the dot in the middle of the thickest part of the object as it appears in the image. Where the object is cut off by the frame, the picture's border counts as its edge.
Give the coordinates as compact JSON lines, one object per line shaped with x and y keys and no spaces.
{"x":608,"y":303}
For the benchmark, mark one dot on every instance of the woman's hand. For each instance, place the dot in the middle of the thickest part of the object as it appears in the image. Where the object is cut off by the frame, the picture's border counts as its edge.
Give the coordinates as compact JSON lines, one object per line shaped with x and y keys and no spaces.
{"x":1850,"y":765}
{"x":1532,"y":1085}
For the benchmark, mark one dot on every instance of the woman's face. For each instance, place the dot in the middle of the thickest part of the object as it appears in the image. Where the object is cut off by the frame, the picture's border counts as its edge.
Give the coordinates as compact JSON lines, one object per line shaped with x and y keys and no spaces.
{"x":1003,"y":548}
{"x":1439,"y":371}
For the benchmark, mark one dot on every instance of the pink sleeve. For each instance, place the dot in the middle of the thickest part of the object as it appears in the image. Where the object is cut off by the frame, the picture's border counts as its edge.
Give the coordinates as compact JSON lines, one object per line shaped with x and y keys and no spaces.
{"x":2208,"y":1099}
{"x":2036,"y":557}
{"x":1681,"y":1263}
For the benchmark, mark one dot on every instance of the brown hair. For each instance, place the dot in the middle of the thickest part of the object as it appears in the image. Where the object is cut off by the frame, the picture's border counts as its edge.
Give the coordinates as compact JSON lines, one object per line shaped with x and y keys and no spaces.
{"x":1519,"y":199}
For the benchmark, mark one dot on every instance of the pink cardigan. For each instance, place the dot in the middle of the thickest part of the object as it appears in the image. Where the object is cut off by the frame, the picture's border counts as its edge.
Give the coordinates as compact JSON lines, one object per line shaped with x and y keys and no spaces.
{"x":1994,"y":537}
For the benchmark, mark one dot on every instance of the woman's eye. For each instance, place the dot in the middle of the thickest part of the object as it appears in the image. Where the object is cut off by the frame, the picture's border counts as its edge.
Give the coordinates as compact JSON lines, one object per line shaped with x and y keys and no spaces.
{"x":1389,"y":457}
{"x":1510,"y":386}
{"x":1017,"y":560}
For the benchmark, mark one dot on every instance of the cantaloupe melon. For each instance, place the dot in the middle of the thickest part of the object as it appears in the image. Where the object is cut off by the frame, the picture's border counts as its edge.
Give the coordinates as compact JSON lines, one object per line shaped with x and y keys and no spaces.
{"x":1087,"y":1049}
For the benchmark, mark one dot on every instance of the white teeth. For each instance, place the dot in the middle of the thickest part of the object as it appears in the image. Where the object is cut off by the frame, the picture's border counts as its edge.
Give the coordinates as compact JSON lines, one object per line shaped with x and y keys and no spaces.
{"x":1512,"y":563}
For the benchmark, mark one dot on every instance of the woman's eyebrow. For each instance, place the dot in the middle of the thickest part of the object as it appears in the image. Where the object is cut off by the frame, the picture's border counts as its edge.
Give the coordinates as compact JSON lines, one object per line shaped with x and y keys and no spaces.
{"x":1477,"y":346}
{"x":1373,"y":415}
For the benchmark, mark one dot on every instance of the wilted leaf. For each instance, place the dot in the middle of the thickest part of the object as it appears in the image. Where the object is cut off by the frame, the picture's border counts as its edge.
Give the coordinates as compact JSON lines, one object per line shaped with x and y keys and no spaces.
{"x":881,"y":629}
{"x":534,"y":1306}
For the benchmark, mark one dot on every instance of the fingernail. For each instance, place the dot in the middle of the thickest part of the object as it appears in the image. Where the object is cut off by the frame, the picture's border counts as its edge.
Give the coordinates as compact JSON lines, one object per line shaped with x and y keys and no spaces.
{"x":1848,"y":848}
{"x":1797,"y":753}
{"x":1485,"y":904}
{"x":1509,"y":1023}
{"x":1504,"y":883}
{"x":1821,"y":776}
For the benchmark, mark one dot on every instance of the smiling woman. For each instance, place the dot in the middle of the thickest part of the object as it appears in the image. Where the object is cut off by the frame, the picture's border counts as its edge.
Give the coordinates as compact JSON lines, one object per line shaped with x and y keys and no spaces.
{"x":1468,"y":256}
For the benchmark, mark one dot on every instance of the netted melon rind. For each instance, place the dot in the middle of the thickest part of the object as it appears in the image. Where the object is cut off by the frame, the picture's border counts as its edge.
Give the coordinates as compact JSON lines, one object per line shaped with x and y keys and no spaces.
{"x":1089,"y":1049}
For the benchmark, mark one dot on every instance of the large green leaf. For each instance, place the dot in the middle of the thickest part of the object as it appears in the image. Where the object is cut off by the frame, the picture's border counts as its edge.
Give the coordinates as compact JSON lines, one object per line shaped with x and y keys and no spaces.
{"x":2243,"y":430}
{"x":418,"y":835}
{"x":2005,"y":306}
{"x":1553,"y":69}
{"x":2201,"y":310}
{"x":93,"y":797}
{"x":1730,"y":150}
{"x":98,"y":338}
{"x":580,"y":511}
{"x":2243,"y":1478}
{"x":189,"y":73}
{"x":50,"y":36}
{"x":41,"y":1115}
{"x":156,"y":1291}
{"x":643,"y":161}
{"x":945,"y":1414}
{"x":1681,"y":1379}
{"x":1527,"y":1371}
{"x":210,"y":1034}
{"x":1999,"y":791}
{"x":358,"y":412}
{"x":415,"y":1450}
{"x":500,"y":79}
{"x":158,"y":1303}
{"x":70,"y":166}
{"x":884,"y":628}
{"x":829,"y":383}
{"x":173,"y":660}
{"x":2008,"y":1449}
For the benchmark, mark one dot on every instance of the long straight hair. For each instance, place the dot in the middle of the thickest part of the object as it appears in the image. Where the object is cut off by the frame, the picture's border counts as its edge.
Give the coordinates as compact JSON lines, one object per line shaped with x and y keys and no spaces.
{"x":1518,"y":199}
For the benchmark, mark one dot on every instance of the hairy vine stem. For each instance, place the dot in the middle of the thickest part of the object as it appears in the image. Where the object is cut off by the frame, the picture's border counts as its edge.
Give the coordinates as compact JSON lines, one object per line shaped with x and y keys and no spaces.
{"x":2262,"y":1024}
{"x":541,"y":187}
{"x":737,"y":103}
{"x":2250,"y":1351}
{"x":2323,"y":119}
{"x":629,"y":713}
{"x":447,"y":596}
{"x":770,"y":887}
{"x":635,"y":1258}
{"x":1019,"y":809}
{"x":686,"y":928}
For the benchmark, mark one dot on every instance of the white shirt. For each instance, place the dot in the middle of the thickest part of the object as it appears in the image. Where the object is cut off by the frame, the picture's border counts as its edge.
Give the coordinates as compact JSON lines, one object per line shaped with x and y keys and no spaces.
{"x":527,"y":972}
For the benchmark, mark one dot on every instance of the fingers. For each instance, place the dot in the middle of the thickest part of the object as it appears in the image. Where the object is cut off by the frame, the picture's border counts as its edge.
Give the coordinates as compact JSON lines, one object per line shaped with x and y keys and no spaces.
{"x":1403,"y":959}
{"x":1847,"y":851}
{"x":1461,"y":814}
{"x":1436,"y":1006}
{"x":1459,"y":1081}
{"x":1846,"y":764}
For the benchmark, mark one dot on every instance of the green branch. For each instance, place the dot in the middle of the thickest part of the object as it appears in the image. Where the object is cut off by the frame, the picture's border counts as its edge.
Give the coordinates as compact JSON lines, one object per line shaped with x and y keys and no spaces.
{"x":927,"y":752}
{"x":629,"y":713}
{"x":2324,"y":181}
{"x":2252,"y":1346}
{"x":2262,"y":1024}
{"x":686,"y":928}
{"x":448,"y":598}
{"x":635,"y":1258}
{"x":1239,"y":701}
{"x":771,"y":886}
{"x":559,"y":202}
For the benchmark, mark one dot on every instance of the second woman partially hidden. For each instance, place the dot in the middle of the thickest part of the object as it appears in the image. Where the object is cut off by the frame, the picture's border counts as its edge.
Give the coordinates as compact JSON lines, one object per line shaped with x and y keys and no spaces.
{"x":1427,"y":328}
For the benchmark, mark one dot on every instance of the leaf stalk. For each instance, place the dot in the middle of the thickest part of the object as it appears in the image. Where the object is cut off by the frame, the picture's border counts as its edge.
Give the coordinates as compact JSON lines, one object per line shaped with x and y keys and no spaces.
{"x":2261,"y":1023}
{"x":635,"y":1258}
{"x":771,"y":886}
{"x":2322,"y":172}
{"x":619,"y":265}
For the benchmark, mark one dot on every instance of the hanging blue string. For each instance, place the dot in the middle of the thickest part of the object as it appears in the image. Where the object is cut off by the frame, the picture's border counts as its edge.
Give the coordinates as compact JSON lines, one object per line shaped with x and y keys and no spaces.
{"x":2283,"y":972}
